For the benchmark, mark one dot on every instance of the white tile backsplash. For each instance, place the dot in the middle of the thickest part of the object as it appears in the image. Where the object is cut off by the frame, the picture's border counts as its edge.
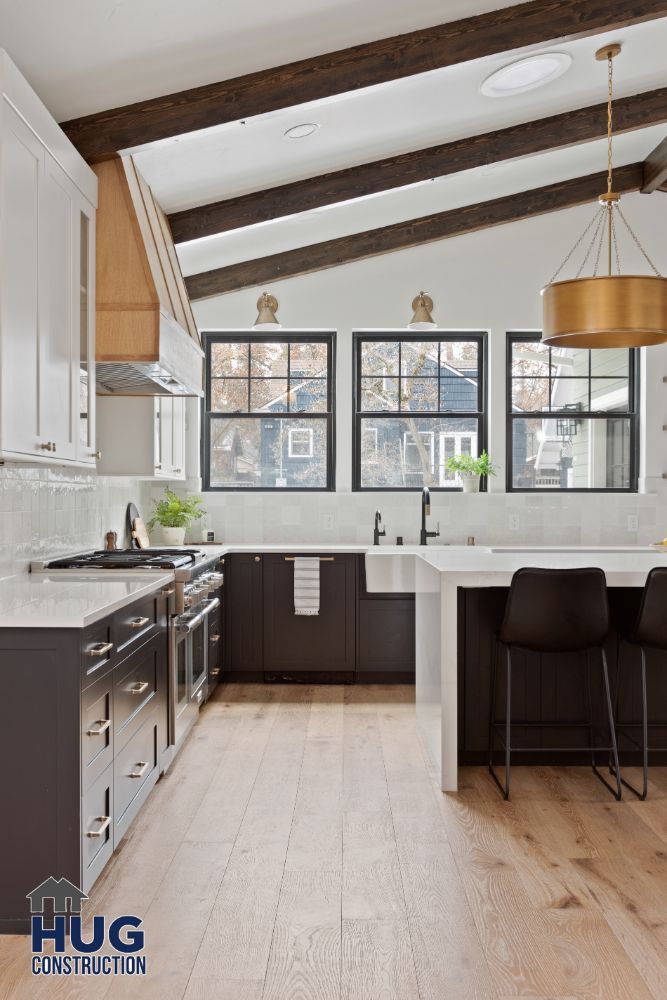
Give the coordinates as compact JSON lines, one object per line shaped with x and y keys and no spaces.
{"x":49,"y":510}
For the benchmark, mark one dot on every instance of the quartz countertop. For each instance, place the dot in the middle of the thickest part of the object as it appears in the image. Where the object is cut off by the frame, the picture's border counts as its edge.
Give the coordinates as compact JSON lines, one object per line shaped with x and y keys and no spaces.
{"x":71,"y":600}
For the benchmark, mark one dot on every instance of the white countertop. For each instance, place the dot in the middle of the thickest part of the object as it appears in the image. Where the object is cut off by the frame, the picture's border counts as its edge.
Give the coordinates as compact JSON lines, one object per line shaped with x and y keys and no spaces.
{"x":38,"y":600}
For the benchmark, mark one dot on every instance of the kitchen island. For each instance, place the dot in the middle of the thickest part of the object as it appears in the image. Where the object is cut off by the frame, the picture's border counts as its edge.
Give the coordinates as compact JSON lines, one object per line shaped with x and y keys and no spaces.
{"x":439,"y":576}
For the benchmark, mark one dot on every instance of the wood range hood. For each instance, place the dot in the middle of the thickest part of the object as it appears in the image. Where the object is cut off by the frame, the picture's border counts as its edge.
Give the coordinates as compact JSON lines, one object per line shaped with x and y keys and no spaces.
{"x":147,"y":341}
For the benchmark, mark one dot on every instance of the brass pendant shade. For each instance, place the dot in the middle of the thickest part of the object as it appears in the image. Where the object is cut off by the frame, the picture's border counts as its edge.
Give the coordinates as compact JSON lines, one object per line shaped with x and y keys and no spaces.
{"x":613,"y":310}
{"x":624,"y":310}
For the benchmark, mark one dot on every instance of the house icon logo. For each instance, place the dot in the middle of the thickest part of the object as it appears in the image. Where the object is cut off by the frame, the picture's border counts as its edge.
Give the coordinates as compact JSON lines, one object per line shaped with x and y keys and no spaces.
{"x":60,"y":891}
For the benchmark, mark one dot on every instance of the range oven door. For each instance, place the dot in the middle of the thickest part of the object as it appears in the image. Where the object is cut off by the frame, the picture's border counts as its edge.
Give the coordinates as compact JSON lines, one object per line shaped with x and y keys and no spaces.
{"x":189,"y":666}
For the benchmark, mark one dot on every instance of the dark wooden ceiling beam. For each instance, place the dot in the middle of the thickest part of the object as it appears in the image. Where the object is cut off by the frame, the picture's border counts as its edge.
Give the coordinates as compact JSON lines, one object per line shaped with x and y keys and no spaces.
{"x":402,"y":235}
{"x":102,"y":135}
{"x":655,"y":168}
{"x":568,"y":129}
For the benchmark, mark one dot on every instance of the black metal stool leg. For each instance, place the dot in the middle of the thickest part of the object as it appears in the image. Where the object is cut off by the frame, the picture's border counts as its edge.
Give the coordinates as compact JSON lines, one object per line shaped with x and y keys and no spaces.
{"x":644,"y":792}
{"x":589,"y":698}
{"x":612,"y":730}
{"x":492,"y":706}
{"x":617,"y":690}
{"x":508,"y":727}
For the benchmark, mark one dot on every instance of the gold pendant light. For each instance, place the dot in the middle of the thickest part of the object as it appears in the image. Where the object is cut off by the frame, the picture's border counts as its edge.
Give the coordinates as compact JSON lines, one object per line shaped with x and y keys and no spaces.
{"x":422,"y":307}
{"x":267,"y":308}
{"x":612,"y":310}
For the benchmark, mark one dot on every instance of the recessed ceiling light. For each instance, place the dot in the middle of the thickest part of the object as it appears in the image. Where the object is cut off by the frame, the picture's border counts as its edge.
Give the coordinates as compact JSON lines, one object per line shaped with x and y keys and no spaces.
{"x":526,"y":74}
{"x":301,"y":131}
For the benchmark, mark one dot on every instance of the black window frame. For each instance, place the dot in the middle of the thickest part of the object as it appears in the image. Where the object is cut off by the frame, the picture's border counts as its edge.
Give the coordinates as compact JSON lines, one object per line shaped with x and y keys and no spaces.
{"x":211,"y":337}
{"x":401,"y":336}
{"x":632,"y":414}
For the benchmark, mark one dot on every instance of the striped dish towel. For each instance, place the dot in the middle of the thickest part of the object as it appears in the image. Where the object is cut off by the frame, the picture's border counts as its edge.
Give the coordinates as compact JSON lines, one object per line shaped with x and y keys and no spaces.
{"x":306,"y":586}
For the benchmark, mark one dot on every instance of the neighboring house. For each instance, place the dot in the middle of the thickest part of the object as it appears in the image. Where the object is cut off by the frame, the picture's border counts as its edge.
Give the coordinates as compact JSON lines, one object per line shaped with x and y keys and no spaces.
{"x":60,"y":891}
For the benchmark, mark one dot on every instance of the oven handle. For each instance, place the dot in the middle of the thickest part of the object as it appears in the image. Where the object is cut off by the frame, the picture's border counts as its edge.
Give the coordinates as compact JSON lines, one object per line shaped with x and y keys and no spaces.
{"x":198,"y":619}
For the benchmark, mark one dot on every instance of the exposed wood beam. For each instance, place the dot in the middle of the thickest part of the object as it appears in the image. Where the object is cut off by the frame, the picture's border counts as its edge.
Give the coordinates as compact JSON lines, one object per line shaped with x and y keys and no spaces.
{"x":343,"y":250}
{"x":102,"y":135}
{"x":568,"y":129}
{"x":655,"y":168}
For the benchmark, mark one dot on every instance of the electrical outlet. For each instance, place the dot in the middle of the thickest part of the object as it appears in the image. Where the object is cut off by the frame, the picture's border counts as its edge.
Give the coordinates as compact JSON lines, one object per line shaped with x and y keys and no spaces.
{"x":328,"y":522}
{"x":514,"y":522}
{"x":633,"y":522}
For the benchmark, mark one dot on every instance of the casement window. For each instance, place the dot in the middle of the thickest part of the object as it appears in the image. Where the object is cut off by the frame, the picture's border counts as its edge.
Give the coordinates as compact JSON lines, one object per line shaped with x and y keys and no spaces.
{"x":572,"y":417}
{"x":269,"y":412}
{"x":418,"y":400}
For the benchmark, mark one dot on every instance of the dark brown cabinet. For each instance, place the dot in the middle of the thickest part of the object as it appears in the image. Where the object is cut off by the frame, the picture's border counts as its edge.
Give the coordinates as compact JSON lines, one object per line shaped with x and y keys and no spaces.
{"x":356,"y":636}
{"x":300,"y":647}
{"x":84,"y":712}
{"x":244,"y":602}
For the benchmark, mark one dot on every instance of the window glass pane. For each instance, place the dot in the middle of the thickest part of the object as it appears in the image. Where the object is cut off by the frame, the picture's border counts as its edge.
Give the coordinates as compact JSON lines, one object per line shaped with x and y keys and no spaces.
{"x":530,"y":394}
{"x":566,"y":361}
{"x":419,"y":357}
{"x":268,"y":394}
{"x":411,"y":452}
{"x":379,"y":394}
{"x":229,"y":395}
{"x":567,"y":393}
{"x":229,"y":359}
{"x":268,"y":359}
{"x":308,"y":359}
{"x":419,"y":394}
{"x":571,"y":453}
{"x":610,"y":363}
{"x":609,"y":394}
{"x":254,"y":452}
{"x":459,"y":393}
{"x":309,"y":395}
{"x":463,"y":356}
{"x":379,"y":358}
{"x":530,"y":359}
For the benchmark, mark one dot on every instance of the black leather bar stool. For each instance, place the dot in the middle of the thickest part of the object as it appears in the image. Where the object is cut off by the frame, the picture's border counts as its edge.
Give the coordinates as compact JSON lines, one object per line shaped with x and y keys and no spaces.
{"x":650,"y":630}
{"x":553,"y":611}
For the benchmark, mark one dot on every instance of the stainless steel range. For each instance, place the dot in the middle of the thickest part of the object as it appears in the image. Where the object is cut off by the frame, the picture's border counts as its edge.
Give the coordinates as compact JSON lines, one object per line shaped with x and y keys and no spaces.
{"x":198,"y":582}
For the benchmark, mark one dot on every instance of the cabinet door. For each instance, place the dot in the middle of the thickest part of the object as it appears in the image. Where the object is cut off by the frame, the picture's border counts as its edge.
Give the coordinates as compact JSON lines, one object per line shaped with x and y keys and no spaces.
{"x":163,"y":462}
{"x":244,"y":614}
{"x":22,"y":160}
{"x":310,"y":643}
{"x":57,"y":391}
{"x":178,"y":437}
{"x":83,"y":341}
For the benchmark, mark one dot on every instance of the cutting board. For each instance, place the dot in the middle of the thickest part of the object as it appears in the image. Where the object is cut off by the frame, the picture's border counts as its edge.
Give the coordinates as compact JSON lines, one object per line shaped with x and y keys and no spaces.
{"x":137,"y":528}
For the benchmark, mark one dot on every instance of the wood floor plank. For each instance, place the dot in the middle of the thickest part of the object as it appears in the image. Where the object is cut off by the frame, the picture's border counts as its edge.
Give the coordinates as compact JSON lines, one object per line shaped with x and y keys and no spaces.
{"x":377,"y":961}
{"x":306,"y":945}
{"x":224,"y":989}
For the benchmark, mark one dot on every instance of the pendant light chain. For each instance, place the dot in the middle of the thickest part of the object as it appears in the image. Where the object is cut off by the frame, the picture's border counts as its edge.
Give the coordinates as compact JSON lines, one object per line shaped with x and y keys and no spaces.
{"x":610,"y":81}
{"x":565,"y":260}
{"x":638,"y":243}
{"x":593,"y":241}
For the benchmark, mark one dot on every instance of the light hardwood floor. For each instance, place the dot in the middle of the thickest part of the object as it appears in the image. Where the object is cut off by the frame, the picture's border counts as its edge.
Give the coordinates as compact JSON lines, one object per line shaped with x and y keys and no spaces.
{"x":299,"y":849}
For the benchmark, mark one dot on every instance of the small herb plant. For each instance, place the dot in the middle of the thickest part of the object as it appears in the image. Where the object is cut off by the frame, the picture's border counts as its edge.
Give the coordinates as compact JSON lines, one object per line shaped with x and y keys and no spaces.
{"x":468,"y":465}
{"x":172,"y":511}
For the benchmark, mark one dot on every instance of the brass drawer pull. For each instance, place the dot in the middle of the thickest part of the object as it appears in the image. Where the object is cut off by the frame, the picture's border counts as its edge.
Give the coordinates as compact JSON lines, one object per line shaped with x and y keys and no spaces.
{"x":104,"y":820}
{"x":102,"y":727}
{"x":214,"y":638}
{"x":143,"y":766}
{"x":99,"y":649}
{"x":168,"y":591}
{"x":139,"y":622}
{"x":215,"y":671}
{"x":321,"y":558}
{"x":139,"y":687}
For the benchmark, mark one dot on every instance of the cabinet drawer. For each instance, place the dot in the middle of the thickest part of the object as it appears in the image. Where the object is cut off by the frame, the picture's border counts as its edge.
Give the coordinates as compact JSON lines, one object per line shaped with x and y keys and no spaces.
{"x":97,"y":651}
{"x":135,"y":623}
{"x":96,"y":828}
{"x":96,"y":729}
{"x":136,"y":682}
{"x":135,"y":771}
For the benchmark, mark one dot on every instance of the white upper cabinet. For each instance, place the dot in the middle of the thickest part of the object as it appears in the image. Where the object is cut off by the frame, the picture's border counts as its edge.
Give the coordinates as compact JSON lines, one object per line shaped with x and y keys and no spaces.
{"x":142,"y":436}
{"x":47,"y":240}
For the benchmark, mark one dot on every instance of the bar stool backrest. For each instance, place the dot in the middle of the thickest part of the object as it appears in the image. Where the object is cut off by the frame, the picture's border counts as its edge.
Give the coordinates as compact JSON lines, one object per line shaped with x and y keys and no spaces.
{"x":651,"y":625}
{"x":556,"y":610}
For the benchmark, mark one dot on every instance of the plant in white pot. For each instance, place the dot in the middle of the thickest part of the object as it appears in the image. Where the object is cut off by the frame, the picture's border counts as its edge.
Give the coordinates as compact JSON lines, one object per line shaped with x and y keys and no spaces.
{"x":175,"y":514}
{"x":470,"y":468}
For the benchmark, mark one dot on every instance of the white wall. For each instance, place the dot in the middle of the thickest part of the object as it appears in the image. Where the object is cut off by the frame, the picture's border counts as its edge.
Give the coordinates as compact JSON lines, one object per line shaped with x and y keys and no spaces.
{"x":483,"y":281}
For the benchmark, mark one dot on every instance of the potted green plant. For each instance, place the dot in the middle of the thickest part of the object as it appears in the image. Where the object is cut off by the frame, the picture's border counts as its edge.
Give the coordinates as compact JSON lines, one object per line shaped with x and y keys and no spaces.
{"x":470,"y":468}
{"x":175,"y":514}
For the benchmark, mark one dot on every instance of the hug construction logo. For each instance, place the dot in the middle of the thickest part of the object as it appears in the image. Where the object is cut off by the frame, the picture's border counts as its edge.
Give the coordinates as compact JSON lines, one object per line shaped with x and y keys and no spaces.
{"x":83,"y":958}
